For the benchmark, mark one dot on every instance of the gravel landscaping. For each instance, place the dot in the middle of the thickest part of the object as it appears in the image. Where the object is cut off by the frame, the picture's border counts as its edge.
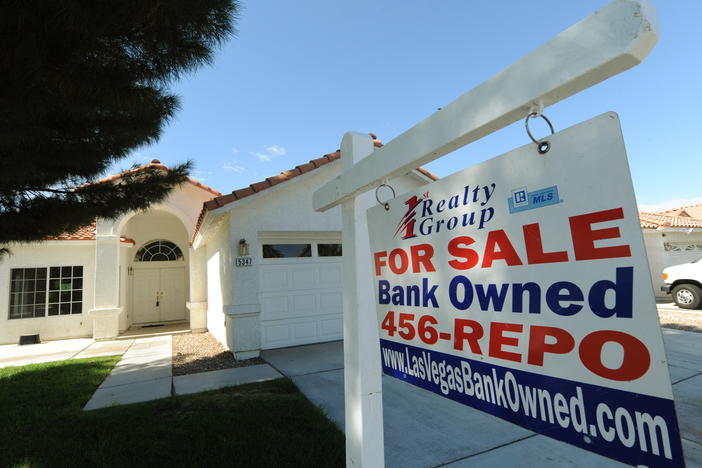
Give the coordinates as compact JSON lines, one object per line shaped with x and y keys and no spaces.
{"x":682,"y":320}
{"x":201,"y":352}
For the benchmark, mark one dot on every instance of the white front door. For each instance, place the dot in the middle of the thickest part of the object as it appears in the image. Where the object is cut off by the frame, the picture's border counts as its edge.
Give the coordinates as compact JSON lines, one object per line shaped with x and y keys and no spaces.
{"x":146,"y":287}
{"x":159,"y":294}
{"x":172,"y":304}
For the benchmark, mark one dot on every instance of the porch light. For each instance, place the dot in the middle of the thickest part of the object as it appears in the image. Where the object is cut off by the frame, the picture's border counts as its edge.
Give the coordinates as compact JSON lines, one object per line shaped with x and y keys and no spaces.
{"x":243,"y":248}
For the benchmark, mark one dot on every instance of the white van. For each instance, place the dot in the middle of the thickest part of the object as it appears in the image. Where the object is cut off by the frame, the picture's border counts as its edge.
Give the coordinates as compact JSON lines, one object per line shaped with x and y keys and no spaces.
{"x":684,"y":282}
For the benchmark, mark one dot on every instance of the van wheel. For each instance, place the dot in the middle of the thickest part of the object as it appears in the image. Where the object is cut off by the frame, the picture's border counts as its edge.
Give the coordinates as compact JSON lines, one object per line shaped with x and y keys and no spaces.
{"x":687,"y":296}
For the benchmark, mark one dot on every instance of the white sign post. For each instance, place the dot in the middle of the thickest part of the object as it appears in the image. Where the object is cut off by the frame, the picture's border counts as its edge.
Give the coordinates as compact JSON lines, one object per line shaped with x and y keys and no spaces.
{"x":520,"y":287}
{"x":610,"y":41}
{"x":362,"y":384}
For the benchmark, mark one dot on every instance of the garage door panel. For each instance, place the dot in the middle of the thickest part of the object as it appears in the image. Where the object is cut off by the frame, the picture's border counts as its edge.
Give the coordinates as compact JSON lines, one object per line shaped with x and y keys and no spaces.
{"x":303,"y":278}
{"x":275,"y":308}
{"x":281,"y":333}
{"x":291,"y":307}
{"x":276,"y":333}
{"x":305,"y":331}
{"x":331,"y":328}
{"x":330,"y":275}
{"x":304,"y":304}
{"x":274,"y":279}
{"x":330,"y":302}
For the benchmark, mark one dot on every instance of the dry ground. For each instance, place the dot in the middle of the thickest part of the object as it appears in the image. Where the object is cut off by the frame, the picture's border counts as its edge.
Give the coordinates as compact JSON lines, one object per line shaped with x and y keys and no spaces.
{"x":201,"y":352}
{"x":682,"y":320}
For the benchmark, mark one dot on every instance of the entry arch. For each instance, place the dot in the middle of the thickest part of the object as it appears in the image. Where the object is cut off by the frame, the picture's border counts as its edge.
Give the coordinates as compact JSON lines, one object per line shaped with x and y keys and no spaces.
{"x":158,"y":267}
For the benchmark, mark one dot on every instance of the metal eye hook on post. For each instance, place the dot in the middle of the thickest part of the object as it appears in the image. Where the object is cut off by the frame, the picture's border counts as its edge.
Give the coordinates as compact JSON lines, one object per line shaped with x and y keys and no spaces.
{"x":386,"y":205}
{"x":543,"y":145}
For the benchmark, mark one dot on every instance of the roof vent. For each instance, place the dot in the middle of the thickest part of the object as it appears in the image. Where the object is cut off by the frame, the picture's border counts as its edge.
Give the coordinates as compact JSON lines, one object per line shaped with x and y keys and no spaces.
{"x":155,"y":161}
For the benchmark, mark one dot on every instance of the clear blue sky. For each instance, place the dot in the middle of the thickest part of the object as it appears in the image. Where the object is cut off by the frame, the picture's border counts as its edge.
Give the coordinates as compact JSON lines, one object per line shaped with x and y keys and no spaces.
{"x":300,"y":74}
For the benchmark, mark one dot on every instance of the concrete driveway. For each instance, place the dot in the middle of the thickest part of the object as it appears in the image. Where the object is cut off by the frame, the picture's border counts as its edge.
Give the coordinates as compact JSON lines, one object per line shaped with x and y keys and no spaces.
{"x":424,"y":430}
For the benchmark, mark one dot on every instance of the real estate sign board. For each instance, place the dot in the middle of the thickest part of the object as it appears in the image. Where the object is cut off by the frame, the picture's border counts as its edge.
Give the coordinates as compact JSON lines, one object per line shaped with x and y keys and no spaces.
{"x":520,"y":287}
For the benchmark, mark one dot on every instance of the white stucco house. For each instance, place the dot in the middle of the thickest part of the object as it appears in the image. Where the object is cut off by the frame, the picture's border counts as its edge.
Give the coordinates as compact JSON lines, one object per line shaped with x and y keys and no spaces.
{"x":671,"y":237}
{"x":258,"y":267}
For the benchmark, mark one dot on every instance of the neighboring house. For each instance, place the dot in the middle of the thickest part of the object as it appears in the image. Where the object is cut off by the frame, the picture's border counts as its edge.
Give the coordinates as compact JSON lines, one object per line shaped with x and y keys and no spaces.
{"x":178,"y":262}
{"x":671,"y":237}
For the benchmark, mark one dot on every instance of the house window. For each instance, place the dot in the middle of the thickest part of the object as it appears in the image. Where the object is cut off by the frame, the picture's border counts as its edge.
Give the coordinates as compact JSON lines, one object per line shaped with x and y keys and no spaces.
{"x":329,"y":250}
{"x":27,"y":292}
{"x":287,"y":250}
{"x":159,"y":251}
{"x":34,"y":292}
{"x":65,"y":290}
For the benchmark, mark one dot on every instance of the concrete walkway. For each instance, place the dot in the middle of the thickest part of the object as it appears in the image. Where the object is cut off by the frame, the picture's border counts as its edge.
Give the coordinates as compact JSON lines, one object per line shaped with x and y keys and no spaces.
{"x":60,"y":350}
{"x":424,"y":430}
{"x":145,"y":373}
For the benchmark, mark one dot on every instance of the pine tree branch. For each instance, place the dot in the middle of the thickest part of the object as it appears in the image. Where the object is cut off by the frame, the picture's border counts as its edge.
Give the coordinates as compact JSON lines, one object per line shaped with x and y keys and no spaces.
{"x":84,"y":84}
{"x":38,"y":190}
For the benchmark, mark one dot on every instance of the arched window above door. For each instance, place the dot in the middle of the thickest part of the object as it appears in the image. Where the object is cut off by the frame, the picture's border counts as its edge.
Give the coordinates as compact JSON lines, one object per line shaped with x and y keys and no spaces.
{"x":159,"y":251}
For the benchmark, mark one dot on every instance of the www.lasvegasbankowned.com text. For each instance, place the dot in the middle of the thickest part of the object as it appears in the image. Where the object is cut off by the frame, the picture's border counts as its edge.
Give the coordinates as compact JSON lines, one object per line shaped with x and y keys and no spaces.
{"x":572,"y":411}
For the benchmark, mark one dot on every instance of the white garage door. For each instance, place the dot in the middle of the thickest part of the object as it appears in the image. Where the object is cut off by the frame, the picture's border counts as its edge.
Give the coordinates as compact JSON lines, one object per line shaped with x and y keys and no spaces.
{"x":300,"y":296}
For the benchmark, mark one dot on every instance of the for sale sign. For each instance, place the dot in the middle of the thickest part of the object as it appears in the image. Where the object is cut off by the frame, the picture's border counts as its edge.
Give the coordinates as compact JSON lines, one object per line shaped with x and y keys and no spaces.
{"x":520,"y":287}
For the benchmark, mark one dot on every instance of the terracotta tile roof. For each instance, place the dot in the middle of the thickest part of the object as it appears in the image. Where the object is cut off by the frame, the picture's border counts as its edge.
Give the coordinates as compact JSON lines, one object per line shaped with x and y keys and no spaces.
{"x":690,"y":211}
{"x":86,"y":233}
{"x":648,"y":224}
{"x":83,"y":233}
{"x":270,"y":181}
{"x":689,"y":216}
{"x":157,"y":163}
{"x":284,"y":176}
{"x":204,"y":187}
{"x":427,"y":173}
{"x":662,"y":220}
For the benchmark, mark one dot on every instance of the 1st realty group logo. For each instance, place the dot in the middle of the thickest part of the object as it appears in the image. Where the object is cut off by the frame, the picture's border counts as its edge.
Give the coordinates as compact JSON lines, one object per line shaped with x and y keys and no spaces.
{"x":425,"y":215}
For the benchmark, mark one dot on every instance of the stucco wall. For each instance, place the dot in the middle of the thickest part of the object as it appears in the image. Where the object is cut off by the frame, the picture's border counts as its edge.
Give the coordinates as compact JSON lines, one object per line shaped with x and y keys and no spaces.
{"x":218,"y":258}
{"x":188,"y":200}
{"x":66,"y":253}
{"x":185,"y":203}
{"x":125,"y":255}
{"x":654,"y":251}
